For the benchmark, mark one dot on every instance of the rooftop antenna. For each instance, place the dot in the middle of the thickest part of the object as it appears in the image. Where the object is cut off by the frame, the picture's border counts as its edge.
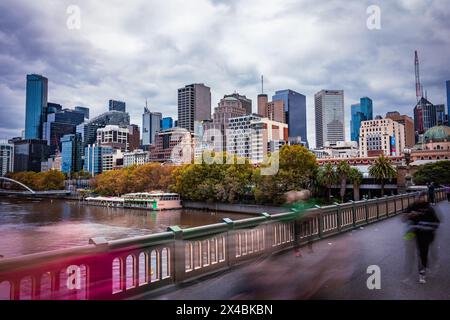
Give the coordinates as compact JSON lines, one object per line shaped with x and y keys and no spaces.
{"x":262,"y":84}
{"x":416,"y":67}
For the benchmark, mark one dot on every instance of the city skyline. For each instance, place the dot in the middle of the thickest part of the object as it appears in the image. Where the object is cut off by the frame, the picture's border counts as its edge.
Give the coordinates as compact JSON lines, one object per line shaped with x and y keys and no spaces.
{"x":382,"y":69}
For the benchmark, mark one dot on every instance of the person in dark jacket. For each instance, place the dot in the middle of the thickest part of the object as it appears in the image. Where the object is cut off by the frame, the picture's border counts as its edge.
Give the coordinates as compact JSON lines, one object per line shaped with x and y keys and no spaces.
{"x":431,"y":188}
{"x":423,"y":223}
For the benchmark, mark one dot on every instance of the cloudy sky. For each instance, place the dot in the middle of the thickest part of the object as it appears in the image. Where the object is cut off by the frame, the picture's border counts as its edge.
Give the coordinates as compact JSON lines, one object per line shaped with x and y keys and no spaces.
{"x":137,"y":49}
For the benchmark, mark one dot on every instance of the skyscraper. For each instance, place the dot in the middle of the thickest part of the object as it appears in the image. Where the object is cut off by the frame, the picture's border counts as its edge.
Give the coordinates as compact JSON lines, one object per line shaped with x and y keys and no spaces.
{"x":408,"y":123}
{"x":361,"y":111}
{"x":295,"y":113}
{"x":115,"y":105}
{"x":151,"y":123}
{"x":59,"y":123}
{"x":166,"y":123}
{"x":84,"y":110}
{"x":329,"y":114}
{"x":440,"y":115}
{"x":246,"y":102}
{"x":194,"y":104}
{"x":6,"y":157}
{"x":29,"y":154}
{"x":36,"y":105}
{"x":425,"y":116}
{"x":71,"y":153}
{"x":447,"y":85}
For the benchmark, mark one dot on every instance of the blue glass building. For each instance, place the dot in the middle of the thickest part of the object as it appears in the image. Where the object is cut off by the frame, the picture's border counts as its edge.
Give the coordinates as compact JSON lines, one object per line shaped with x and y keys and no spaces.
{"x":71,"y":153}
{"x":295,"y":109}
{"x":166,"y":123}
{"x":93,"y":154}
{"x":361,"y":111}
{"x":36,"y":105}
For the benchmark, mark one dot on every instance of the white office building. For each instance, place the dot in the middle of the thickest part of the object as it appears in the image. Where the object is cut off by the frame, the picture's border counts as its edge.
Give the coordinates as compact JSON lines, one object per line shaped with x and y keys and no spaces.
{"x":329,"y":114}
{"x":137,"y":157}
{"x":252,"y":136}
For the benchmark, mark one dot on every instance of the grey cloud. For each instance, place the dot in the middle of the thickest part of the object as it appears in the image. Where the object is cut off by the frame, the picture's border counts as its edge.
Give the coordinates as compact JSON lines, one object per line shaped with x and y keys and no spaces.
{"x":147,"y":49}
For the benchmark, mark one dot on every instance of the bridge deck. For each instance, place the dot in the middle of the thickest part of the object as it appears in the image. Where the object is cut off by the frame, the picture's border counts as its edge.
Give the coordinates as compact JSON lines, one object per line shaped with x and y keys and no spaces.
{"x":336,"y":268}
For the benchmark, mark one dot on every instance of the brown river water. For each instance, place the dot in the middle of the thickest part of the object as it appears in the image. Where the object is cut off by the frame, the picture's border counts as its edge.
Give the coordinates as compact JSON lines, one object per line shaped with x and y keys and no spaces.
{"x":30,"y":226}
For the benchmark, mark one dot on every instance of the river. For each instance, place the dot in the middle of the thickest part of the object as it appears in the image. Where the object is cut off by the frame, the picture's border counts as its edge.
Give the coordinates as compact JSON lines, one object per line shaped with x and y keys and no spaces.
{"x":30,"y":226}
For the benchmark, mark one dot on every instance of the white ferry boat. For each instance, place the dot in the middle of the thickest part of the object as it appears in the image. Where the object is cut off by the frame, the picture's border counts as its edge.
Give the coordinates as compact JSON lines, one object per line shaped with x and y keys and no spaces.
{"x":141,"y":200}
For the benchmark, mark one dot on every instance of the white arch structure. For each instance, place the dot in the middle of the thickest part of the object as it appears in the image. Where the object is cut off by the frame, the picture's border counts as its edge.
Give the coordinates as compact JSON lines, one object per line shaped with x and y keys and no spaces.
{"x":19,"y":183}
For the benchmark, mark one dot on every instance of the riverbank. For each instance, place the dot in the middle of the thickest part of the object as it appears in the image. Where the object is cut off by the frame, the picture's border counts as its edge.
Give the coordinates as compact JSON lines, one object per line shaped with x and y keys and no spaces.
{"x":237,"y":208}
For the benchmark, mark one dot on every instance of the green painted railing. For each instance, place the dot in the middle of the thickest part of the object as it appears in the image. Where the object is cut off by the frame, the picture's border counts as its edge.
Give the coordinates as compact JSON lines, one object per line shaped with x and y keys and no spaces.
{"x":124,"y":268}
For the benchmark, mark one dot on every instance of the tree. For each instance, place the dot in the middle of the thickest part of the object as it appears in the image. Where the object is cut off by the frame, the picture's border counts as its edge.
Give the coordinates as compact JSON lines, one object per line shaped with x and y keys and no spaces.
{"x":297,"y":169}
{"x":343,"y":170}
{"x":326,"y":177}
{"x":438,"y":172}
{"x":221,"y":182}
{"x":381,"y":170}
{"x":356,"y":178}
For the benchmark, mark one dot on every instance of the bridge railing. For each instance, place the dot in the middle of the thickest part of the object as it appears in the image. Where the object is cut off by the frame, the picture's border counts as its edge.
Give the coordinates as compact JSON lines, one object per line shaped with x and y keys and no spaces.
{"x":125,"y":268}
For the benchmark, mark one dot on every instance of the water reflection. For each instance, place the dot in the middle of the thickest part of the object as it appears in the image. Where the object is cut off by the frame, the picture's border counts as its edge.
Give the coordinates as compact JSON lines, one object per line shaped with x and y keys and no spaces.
{"x":28,"y":226}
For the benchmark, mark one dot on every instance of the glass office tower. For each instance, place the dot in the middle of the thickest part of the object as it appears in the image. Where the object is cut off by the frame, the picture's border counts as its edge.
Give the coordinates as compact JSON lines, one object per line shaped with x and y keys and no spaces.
{"x":36,"y":105}
{"x":361,"y":111}
{"x":166,"y":123}
{"x":295,"y":109}
{"x":71,"y":153}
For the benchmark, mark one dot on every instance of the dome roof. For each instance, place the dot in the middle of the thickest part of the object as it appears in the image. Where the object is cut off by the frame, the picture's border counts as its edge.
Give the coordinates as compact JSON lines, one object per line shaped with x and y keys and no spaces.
{"x":437,"y":134}
{"x":230,"y":99}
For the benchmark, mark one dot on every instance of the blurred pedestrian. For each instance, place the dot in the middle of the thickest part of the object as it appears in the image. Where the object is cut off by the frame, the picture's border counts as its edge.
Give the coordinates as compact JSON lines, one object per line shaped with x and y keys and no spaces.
{"x":431,"y":189}
{"x":423,"y":223}
{"x":447,"y":191}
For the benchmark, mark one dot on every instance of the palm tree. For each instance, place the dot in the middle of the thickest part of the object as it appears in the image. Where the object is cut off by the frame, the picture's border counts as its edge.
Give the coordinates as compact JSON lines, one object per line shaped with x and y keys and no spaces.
{"x":356,"y":178}
{"x":327,"y":177}
{"x":343,"y":170}
{"x":381,"y":170}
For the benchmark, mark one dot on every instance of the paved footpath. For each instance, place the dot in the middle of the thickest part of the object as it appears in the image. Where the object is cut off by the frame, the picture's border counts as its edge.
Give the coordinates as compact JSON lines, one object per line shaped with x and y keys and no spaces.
{"x":336,"y":268}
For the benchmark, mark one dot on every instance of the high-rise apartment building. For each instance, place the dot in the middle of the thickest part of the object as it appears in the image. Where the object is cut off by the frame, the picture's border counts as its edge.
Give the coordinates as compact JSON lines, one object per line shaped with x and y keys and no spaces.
{"x":329,"y":114}
{"x":115,"y":105}
{"x":36,"y":105}
{"x":295,"y":114}
{"x":410,"y":138}
{"x":151,"y":123}
{"x":194,"y":104}
{"x":6,"y":157}
{"x":361,"y":111}
{"x":381,"y":136}
{"x":252,"y":137}
{"x":113,"y":136}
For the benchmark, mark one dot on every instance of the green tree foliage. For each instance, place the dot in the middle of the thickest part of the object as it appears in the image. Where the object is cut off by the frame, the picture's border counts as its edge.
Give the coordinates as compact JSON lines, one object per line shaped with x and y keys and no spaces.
{"x":326,"y":177}
{"x":297,"y":169}
{"x":381,"y":170}
{"x":356,"y":178}
{"x":438,"y":172}
{"x":215,"y":182}
{"x":343,"y":170}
